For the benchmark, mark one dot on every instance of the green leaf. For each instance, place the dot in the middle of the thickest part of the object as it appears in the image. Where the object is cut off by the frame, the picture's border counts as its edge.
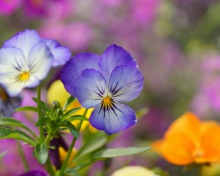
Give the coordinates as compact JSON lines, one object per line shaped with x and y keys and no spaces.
{"x":71,"y":172}
{"x":77,"y":117}
{"x":72,"y":129}
{"x":69,"y":100}
{"x":95,"y":143}
{"x":43,"y":105}
{"x":116,"y":152}
{"x":41,"y":121}
{"x":9,"y":121}
{"x":6,"y":133}
{"x":70,"y":112}
{"x":27,"y":108}
{"x":41,"y":152}
{"x":141,"y":112}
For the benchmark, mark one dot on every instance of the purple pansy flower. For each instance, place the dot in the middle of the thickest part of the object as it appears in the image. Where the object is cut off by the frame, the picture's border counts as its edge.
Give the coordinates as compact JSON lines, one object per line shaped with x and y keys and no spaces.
{"x":104,"y":82}
{"x":26,"y":59}
{"x":33,"y":173}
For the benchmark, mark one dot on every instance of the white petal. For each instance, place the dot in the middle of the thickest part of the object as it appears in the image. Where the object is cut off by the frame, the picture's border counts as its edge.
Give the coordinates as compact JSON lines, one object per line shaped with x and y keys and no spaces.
{"x":24,"y":40}
{"x":40,"y":60}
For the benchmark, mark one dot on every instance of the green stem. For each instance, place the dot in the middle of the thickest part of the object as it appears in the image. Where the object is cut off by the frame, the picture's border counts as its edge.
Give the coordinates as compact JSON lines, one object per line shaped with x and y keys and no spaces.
{"x":48,"y":139}
{"x":50,"y":167}
{"x":71,"y":148}
{"x":23,"y":158}
{"x":39,"y":112}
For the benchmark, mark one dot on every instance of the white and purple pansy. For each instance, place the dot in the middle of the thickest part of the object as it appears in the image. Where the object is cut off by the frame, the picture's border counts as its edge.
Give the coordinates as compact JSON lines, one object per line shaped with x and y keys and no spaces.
{"x":26,"y":59}
{"x":103,"y":82}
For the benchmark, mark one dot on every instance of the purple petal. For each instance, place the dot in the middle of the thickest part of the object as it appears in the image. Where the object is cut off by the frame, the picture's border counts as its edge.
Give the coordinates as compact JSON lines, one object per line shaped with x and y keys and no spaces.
{"x":33,"y":173}
{"x":24,"y":40}
{"x":74,"y":67}
{"x":113,"y":121}
{"x":112,"y":57}
{"x":61,"y":54}
{"x":125,"y":83}
{"x":89,"y":88}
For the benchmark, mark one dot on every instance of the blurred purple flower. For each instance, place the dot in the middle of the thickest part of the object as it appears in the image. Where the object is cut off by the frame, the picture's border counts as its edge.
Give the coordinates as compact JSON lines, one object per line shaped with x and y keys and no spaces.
{"x":77,"y":36}
{"x":33,"y":173}
{"x":10,"y":160}
{"x":46,"y":8}
{"x":207,"y":98}
{"x":7,"y":7}
{"x":103,"y":83}
{"x":144,"y":11}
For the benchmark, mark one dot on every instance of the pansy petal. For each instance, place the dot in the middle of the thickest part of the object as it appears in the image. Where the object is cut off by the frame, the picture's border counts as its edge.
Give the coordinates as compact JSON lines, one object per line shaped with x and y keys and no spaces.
{"x":74,"y":67}
{"x":11,"y":61}
{"x":24,"y":40}
{"x":40,"y":60}
{"x":112,"y":57}
{"x":61,"y":54}
{"x":113,"y":120}
{"x":125,"y":83}
{"x":177,"y":149}
{"x":89,"y":88}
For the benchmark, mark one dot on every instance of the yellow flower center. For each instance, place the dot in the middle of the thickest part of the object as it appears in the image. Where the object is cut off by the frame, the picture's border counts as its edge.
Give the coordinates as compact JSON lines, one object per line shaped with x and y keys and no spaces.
{"x":24,"y":76}
{"x":107,"y":102}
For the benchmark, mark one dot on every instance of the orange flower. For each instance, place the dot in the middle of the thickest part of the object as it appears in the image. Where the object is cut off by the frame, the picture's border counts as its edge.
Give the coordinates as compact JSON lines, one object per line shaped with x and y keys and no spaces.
{"x":188,"y":140}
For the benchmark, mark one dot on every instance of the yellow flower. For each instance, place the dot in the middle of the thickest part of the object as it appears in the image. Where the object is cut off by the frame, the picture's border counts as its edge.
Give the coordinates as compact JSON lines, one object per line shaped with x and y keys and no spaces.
{"x":188,"y":140}
{"x":134,"y":171}
{"x":58,"y":92}
{"x":63,"y":155}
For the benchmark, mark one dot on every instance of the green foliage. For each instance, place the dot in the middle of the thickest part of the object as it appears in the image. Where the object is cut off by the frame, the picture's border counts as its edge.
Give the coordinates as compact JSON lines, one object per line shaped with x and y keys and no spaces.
{"x":116,"y":152}
{"x":97,"y":141}
{"x":27,"y":108}
{"x":72,"y":129}
{"x":71,"y":172}
{"x":6,"y":133}
{"x":41,"y":152}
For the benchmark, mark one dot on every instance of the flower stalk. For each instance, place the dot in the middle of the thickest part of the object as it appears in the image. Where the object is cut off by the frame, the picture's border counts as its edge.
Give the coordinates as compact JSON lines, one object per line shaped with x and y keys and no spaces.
{"x":71,"y":147}
{"x":39,"y":111}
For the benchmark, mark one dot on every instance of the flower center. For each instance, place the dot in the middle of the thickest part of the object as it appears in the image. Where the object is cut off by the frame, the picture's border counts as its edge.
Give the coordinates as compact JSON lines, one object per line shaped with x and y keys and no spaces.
{"x":198,"y":153}
{"x":24,"y":76}
{"x":107,"y":102}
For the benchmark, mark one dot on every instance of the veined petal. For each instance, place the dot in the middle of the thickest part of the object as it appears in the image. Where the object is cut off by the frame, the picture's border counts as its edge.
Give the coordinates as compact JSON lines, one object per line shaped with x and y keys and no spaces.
{"x":24,"y":40}
{"x":11,"y":60}
{"x":112,"y":57}
{"x":89,"y":88}
{"x":11,"y":63}
{"x":125,"y":83}
{"x":112,"y":120}
{"x":74,"y":67}
{"x":61,"y":54}
{"x":39,"y":61}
